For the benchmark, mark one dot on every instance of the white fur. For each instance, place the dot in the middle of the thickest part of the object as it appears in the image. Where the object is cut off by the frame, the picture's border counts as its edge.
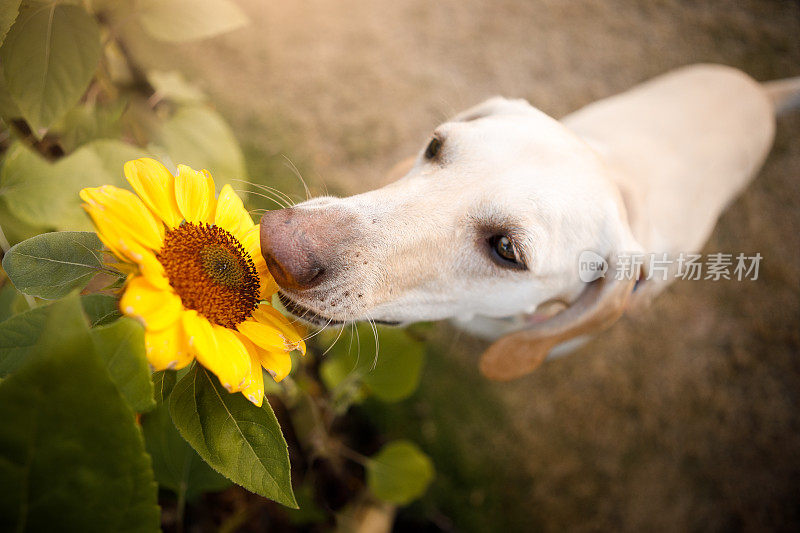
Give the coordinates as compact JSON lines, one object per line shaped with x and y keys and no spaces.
{"x":648,"y":170}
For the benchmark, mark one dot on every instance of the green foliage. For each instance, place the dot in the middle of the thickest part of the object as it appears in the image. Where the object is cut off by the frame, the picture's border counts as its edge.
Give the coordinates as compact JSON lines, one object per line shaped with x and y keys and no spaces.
{"x":8,"y":14}
{"x":121,"y":344}
{"x":198,"y":137}
{"x":399,"y":473}
{"x":101,"y":309}
{"x":390,"y":376}
{"x":238,"y":439}
{"x":52,"y":265}
{"x":14,"y":229}
{"x":73,"y":458}
{"x":49,"y":56}
{"x":8,"y":108}
{"x":74,"y":107}
{"x":187,"y":20}
{"x":11,"y":302}
{"x":85,"y":123}
{"x":163,"y":383}
{"x":19,"y":335}
{"x":176,"y":465}
{"x":173,"y":86}
{"x":46,"y":194}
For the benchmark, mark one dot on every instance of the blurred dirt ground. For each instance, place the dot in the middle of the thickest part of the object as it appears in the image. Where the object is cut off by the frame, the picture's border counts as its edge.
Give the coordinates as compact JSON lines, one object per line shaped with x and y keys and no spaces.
{"x":684,"y":417}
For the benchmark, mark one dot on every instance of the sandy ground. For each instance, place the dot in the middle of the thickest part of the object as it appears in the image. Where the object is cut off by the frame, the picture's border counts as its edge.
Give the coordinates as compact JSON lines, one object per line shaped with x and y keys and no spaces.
{"x":683,"y":417}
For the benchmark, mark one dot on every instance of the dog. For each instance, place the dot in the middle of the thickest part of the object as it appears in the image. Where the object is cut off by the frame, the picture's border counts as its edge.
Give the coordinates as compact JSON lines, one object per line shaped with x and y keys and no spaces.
{"x":488,"y":222}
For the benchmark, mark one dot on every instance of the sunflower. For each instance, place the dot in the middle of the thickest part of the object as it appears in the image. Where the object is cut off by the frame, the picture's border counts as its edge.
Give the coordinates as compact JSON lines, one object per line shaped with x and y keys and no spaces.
{"x":198,"y":282}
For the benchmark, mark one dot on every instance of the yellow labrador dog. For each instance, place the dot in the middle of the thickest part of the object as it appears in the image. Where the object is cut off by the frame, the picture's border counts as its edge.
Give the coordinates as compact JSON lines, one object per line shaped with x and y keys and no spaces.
{"x":489,"y":221}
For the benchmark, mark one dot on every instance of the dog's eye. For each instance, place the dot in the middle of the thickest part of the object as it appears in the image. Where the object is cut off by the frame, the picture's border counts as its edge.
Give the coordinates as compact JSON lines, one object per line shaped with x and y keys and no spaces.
{"x":504,"y":250}
{"x":433,"y":148}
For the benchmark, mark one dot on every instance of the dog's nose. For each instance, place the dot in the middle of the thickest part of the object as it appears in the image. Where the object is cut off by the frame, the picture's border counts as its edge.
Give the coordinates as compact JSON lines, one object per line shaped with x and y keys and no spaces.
{"x":300,"y":246}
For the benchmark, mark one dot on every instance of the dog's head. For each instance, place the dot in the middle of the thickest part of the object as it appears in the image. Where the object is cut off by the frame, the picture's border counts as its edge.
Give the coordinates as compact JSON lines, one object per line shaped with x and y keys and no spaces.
{"x":489,"y":220}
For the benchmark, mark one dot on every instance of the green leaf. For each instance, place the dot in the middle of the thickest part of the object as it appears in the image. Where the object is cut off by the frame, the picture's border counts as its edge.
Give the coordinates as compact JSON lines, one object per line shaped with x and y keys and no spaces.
{"x":187,"y":20}
{"x":73,"y":458}
{"x":163,"y":383}
{"x":15,"y":229}
{"x":399,"y":473}
{"x":101,"y":309}
{"x":8,"y":108}
{"x":396,"y":371}
{"x":11,"y":302}
{"x":52,"y":265}
{"x":46,"y":194}
{"x":176,"y":465}
{"x":200,"y":138}
{"x":121,"y":345}
{"x":174,"y":87}
{"x":8,"y":14}
{"x":241,"y":441}
{"x":89,"y":122}
{"x":49,"y":57}
{"x":18,"y":335}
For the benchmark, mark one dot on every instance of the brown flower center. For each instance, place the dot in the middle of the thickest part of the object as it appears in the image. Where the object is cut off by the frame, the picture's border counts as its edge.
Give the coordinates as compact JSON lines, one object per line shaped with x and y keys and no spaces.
{"x":211,"y":272}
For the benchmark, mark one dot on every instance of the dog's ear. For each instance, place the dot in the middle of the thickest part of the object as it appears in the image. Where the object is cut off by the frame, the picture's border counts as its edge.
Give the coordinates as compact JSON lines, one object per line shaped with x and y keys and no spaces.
{"x":494,"y":106}
{"x":600,"y":304}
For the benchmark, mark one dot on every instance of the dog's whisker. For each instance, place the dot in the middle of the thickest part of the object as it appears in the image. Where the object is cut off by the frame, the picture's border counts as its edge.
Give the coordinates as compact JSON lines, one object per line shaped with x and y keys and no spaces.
{"x":377,"y":343}
{"x":312,"y":335}
{"x":277,"y":192}
{"x":274,"y":199}
{"x":281,"y":204}
{"x":350,"y":345}
{"x":341,"y":329}
{"x":358,"y":346}
{"x":296,"y":172}
{"x":263,"y":187}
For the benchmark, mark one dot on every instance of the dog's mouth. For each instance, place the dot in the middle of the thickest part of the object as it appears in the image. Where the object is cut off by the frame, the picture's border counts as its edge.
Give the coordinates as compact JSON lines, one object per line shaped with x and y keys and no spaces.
{"x":304,"y":313}
{"x":309,"y":315}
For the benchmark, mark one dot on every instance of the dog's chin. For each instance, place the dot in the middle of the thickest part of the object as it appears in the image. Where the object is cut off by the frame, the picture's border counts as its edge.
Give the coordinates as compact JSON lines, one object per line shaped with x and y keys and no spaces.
{"x":318,"y":319}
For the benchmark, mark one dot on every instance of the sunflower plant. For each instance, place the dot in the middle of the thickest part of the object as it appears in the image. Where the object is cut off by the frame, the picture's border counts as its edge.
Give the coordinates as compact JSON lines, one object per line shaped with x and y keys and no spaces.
{"x":135,"y":342}
{"x":189,"y":297}
{"x":140,"y":354}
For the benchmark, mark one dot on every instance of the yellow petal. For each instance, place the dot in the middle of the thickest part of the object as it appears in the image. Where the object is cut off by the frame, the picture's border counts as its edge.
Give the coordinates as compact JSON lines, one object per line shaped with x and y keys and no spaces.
{"x":251,"y":240}
{"x":155,"y":308}
{"x":155,"y":185}
{"x":268,"y":315}
{"x":254,"y":391}
{"x":262,"y":335}
{"x":268,"y":285}
{"x":218,"y":350}
{"x":153,"y":271}
{"x":124,"y":247}
{"x":167,"y":348}
{"x":194,"y":194}
{"x":127,"y":249}
{"x":278,"y":364}
{"x":123,"y":211}
{"x":231,"y":214}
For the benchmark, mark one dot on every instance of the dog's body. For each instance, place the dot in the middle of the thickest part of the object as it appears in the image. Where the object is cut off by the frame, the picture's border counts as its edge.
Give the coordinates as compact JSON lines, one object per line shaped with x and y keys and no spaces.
{"x":488,"y":223}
